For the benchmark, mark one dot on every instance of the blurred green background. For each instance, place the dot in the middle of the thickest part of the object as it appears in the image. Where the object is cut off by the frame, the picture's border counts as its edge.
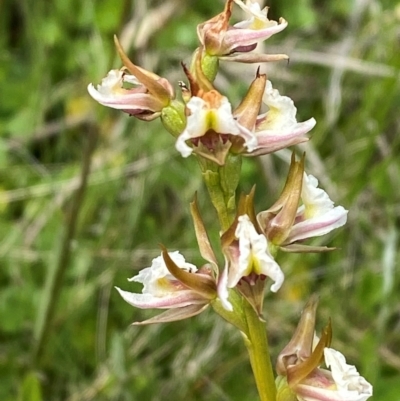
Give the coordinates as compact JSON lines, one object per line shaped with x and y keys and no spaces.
{"x":344,"y":71}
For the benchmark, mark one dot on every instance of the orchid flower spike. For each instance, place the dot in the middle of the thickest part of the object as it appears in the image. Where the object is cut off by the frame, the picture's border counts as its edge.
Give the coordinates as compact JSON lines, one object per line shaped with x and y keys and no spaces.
{"x":134,"y":90}
{"x":172,"y":283}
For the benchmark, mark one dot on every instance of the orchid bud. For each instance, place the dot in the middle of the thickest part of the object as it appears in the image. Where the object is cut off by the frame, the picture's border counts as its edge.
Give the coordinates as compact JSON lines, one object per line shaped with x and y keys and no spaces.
{"x":173,"y":117}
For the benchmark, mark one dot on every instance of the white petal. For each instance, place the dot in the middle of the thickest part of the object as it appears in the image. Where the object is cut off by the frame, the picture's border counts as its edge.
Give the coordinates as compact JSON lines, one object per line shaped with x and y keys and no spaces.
{"x":350,"y":385}
{"x":157,"y":280}
{"x":203,"y":117}
{"x":269,"y":141}
{"x":319,"y":225}
{"x":181,"y":146}
{"x":315,"y":200}
{"x":282,"y":111}
{"x":222,"y":289}
{"x":110,"y":83}
{"x":258,"y":18}
{"x":254,"y":253}
{"x":224,"y":121}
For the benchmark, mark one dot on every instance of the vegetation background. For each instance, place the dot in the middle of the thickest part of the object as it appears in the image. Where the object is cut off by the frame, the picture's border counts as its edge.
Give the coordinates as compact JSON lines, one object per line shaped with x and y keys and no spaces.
{"x":86,"y":236}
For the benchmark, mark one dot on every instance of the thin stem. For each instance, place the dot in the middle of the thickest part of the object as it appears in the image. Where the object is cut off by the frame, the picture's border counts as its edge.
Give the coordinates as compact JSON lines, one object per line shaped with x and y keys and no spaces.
{"x":257,"y":346}
{"x":218,"y":200}
{"x":55,"y":279}
{"x":221,"y":182}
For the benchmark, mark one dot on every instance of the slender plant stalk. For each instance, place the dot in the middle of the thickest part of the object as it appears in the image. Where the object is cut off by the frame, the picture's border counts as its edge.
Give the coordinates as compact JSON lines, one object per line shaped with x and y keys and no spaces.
{"x":221,"y":182}
{"x":257,"y":346}
{"x":56,"y":275}
{"x":218,"y":200}
{"x":255,"y":337}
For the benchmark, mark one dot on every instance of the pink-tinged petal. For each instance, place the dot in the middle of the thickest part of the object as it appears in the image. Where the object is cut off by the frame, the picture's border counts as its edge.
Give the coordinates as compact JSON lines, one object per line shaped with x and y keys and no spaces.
{"x":276,"y":137}
{"x":269,"y":141}
{"x":172,"y":283}
{"x":320,"y":225}
{"x":321,"y":385}
{"x":236,"y":38}
{"x":132,"y":103}
{"x":173,"y":315}
{"x":317,"y":216}
{"x":176,"y":299}
{"x":314,"y":393}
{"x":111,"y":93}
{"x":258,"y":22}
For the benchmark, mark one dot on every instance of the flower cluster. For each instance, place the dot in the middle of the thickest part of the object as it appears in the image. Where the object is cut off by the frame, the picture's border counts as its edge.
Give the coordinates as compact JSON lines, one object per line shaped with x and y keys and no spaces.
{"x":204,"y":123}
{"x":212,"y":127}
{"x":248,"y":246}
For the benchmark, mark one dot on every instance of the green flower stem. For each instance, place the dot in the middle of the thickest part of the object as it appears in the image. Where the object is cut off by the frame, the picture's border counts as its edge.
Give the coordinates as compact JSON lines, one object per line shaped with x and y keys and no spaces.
{"x":229,"y":179}
{"x":257,"y":346}
{"x":221,"y":182}
{"x":217,"y":197}
{"x":236,"y":317}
